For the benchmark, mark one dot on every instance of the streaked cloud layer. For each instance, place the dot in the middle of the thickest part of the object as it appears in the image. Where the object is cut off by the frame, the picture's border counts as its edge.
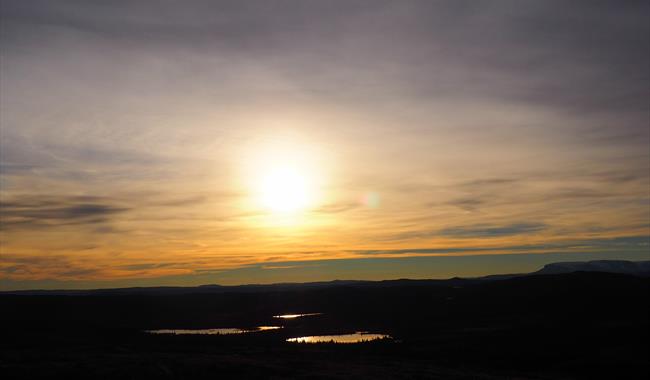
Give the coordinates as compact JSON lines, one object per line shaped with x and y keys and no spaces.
{"x":130,"y":134}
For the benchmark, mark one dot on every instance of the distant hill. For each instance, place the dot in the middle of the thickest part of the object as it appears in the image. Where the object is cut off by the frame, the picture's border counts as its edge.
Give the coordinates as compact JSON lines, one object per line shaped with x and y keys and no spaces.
{"x":201,"y":289}
{"x":638,"y":268}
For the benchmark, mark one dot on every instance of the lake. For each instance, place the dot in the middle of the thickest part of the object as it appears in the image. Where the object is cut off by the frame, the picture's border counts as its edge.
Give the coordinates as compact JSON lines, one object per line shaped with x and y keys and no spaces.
{"x":292,"y":316}
{"x":357,"y":337}
{"x":219,"y":331}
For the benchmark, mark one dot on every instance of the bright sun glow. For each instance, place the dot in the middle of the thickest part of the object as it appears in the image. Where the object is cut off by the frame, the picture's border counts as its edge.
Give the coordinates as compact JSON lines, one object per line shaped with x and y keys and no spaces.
{"x":285,"y":177}
{"x":285,"y":189}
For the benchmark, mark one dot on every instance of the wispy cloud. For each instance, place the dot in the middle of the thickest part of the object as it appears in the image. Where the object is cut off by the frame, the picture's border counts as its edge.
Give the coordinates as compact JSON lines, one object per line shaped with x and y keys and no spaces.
{"x":285,"y":266}
{"x":336,"y":208}
{"x":493,"y":231}
{"x":637,"y":243}
{"x":32,"y":212}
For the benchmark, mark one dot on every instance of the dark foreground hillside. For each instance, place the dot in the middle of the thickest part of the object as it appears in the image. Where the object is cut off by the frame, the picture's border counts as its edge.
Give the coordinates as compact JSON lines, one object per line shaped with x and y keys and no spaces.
{"x":564,"y":326}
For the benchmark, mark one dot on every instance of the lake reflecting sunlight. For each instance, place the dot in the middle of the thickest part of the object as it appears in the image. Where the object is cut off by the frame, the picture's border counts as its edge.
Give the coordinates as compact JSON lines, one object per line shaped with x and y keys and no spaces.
{"x":357,"y":337}
{"x":219,"y":331}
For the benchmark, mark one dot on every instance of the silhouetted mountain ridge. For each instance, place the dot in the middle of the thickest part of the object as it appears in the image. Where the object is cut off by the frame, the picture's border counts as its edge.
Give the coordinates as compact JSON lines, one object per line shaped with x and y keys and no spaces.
{"x":636,"y":268}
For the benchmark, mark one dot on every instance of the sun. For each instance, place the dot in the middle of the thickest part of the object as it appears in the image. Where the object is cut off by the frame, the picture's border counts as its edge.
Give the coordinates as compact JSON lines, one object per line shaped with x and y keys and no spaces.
{"x":285,"y":189}
{"x":286,"y":179}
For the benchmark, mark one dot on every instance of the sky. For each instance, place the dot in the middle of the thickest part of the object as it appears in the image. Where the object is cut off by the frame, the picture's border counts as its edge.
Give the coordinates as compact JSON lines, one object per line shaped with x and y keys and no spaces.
{"x":233,"y":142}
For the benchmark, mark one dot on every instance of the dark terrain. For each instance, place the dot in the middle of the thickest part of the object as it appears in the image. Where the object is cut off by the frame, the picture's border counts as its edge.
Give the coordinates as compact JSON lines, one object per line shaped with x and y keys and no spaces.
{"x":542,"y":326}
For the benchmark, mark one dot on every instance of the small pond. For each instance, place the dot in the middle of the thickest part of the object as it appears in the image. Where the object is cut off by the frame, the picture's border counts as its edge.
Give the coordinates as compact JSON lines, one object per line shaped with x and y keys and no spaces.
{"x":221,"y":331}
{"x":293,"y":316}
{"x":357,"y":337}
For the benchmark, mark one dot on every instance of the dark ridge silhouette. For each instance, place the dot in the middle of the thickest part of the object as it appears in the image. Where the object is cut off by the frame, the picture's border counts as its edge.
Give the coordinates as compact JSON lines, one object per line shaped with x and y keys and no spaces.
{"x":638,"y":268}
{"x":585,"y":325}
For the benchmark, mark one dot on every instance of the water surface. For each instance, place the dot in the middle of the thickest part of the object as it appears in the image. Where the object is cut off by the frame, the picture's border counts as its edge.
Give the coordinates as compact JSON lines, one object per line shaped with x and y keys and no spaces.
{"x":292,"y":316}
{"x":220,"y":331}
{"x":357,"y":337}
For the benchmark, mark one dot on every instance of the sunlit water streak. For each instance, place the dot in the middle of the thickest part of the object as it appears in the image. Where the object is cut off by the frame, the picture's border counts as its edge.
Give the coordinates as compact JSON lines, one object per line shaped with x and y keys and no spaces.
{"x":357,"y":337}
{"x":222,"y":331}
{"x":292,"y":316}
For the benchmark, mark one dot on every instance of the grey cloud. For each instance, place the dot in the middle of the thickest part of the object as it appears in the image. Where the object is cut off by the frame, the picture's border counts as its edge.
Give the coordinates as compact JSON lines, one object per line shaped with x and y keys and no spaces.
{"x":336,"y":208}
{"x":467,"y":204}
{"x":15,"y":269}
{"x":216,"y":24}
{"x":604,"y":244}
{"x":9,"y":169}
{"x":537,"y":52}
{"x":29,"y":212}
{"x":81,"y":272}
{"x":618,"y":177}
{"x":25,"y":157}
{"x":583,"y":58}
{"x":501,"y":191}
{"x":183,"y":202}
{"x":283,"y":266}
{"x":474,"y":231}
{"x":480,"y":192}
{"x":18,"y":264}
{"x":577,"y":193}
{"x":139,"y":267}
{"x":492,"y":231}
{"x":415,"y":251}
{"x":488,"y":182}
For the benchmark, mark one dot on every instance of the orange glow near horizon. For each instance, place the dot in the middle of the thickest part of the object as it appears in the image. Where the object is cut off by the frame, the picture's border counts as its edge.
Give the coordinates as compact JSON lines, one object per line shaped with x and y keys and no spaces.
{"x":182,"y":145}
